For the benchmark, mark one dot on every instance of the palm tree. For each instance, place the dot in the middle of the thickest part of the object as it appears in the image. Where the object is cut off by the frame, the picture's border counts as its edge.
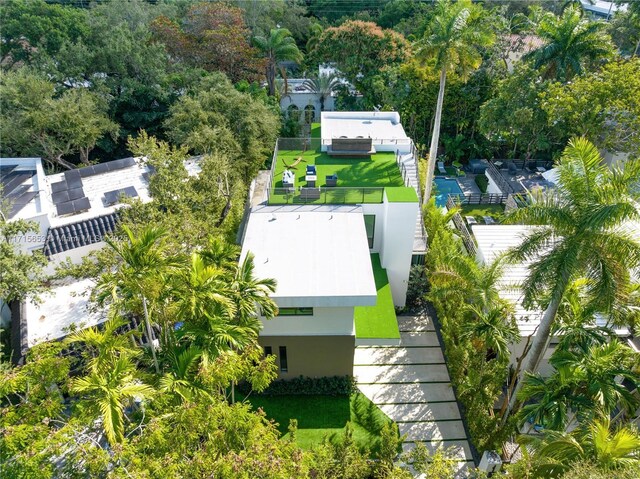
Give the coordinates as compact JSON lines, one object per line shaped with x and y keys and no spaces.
{"x":580,"y":233}
{"x":493,"y":328}
{"x":577,"y":328}
{"x":181,"y":380}
{"x":110,"y":389}
{"x":251,"y":294}
{"x":585,"y":382}
{"x":572,"y":41}
{"x":213,"y":303}
{"x":324,"y":86}
{"x":102,"y":344}
{"x":556,"y":452}
{"x":452,"y":42}
{"x":144,"y":262}
{"x":277,"y":47}
{"x":221,"y":254}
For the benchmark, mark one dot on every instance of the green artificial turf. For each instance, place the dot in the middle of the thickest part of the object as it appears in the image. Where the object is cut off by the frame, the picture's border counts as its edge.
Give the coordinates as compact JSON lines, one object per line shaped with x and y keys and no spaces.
{"x":479,"y":211}
{"x":366,"y":175}
{"x":378,"y":170}
{"x":315,"y":130}
{"x":379,"y":321}
{"x":401,"y":194}
{"x":325,"y":416}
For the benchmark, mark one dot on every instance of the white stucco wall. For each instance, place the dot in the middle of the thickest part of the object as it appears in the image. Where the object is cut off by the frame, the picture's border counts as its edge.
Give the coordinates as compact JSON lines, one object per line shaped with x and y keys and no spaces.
{"x":397,"y":246}
{"x":325,"y":321}
{"x":75,"y":255}
{"x":379,"y":210}
{"x":492,"y":187}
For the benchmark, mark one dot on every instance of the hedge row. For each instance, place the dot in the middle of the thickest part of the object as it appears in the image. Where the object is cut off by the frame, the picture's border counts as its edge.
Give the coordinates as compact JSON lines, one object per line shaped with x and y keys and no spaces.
{"x":482,"y":181}
{"x":302,"y":385}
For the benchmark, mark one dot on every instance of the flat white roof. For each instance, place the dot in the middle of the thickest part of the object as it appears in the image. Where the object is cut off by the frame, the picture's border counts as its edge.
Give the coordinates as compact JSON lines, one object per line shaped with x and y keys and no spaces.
{"x":493,"y":241}
{"x":318,"y":255}
{"x":66,"y":306}
{"x":380,"y":125}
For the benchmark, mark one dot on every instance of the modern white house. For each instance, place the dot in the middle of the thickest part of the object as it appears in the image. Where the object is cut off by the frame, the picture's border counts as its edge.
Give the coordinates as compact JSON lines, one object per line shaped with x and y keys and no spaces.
{"x":338,"y":232}
{"x":74,"y":211}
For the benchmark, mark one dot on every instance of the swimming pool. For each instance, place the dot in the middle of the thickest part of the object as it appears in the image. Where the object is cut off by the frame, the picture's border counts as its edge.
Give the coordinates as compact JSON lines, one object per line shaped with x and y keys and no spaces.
{"x":444,"y":188}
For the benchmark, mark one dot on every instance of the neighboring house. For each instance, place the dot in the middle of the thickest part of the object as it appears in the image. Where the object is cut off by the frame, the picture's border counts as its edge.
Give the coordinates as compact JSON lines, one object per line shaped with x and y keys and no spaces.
{"x":304,"y":103}
{"x":601,"y":9}
{"x":507,"y":177}
{"x":74,"y":211}
{"x":492,"y":242}
{"x":338,"y":229}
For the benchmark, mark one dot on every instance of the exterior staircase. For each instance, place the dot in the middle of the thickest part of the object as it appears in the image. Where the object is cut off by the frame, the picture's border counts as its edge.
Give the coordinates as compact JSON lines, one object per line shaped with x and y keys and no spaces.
{"x":409,"y":169}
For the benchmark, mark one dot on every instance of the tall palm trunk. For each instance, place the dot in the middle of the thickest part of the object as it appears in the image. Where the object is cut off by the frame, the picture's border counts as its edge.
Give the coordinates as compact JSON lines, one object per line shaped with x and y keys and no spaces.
{"x":150,"y":334}
{"x":435,"y":137}
{"x":271,"y":77}
{"x":538,"y":347}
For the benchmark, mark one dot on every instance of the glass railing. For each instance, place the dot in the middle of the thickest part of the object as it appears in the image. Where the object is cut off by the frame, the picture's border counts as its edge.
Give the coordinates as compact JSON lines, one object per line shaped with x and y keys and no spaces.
{"x":326,"y":195}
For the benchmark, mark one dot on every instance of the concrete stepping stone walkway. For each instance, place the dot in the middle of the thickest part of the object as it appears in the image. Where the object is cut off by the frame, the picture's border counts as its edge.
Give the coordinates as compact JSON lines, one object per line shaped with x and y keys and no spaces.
{"x":410,"y":383}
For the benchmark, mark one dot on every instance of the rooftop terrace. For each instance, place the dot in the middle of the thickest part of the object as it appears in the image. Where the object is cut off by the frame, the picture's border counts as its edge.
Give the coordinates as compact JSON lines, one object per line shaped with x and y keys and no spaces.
{"x":360,"y":179}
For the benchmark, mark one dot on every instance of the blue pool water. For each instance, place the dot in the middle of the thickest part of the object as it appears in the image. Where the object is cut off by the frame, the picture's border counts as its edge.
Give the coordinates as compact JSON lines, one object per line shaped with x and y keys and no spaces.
{"x":445,"y":187}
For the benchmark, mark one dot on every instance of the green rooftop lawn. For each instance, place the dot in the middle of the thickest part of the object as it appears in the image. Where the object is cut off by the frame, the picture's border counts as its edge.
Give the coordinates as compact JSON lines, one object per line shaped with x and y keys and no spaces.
{"x":401,"y":194}
{"x":378,"y":170}
{"x":320,"y":416}
{"x":378,"y":321}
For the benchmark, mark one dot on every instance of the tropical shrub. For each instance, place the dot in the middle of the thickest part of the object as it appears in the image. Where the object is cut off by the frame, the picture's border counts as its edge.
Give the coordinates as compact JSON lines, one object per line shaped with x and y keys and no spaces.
{"x":483,"y":182}
{"x":302,"y":385}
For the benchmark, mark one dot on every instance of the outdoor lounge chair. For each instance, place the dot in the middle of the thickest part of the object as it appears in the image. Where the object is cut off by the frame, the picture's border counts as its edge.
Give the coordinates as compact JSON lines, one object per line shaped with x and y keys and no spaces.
{"x":311,"y":170}
{"x":441,"y":168}
{"x":331,"y":180}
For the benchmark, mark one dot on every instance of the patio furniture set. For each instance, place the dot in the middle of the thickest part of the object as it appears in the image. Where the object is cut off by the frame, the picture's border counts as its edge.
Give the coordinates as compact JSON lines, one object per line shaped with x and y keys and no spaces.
{"x":311,"y":177}
{"x":456,"y":164}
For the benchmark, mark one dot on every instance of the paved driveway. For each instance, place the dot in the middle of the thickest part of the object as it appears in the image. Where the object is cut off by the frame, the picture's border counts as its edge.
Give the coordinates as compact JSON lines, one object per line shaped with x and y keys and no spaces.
{"x":410,"y":383}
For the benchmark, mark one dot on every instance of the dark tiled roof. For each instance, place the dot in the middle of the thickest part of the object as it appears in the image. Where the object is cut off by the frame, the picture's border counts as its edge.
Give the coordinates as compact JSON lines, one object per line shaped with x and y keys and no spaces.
{"x":82,"y":233}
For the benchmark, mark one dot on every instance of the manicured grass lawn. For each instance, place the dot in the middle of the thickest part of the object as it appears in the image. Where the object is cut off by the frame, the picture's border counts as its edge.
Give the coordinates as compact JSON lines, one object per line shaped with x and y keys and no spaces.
{"x":315,"y":130}
{"x":325,"y":416}
{"x":378,"y":321}
{"x":478,"y":211}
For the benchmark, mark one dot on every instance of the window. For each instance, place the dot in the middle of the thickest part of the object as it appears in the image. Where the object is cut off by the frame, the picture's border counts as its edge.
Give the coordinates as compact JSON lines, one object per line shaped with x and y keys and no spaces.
{"x":370,"y":226}
{"x":283,"y":359}
{"x":268,"y":350}
{"x":295,"y":312}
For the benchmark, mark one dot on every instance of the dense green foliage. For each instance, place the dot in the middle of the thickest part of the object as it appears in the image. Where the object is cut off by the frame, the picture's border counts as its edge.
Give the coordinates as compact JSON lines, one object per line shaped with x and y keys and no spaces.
{"x":476,"y":326}
{"x":328,"y":386}
{"x":93,"y":81}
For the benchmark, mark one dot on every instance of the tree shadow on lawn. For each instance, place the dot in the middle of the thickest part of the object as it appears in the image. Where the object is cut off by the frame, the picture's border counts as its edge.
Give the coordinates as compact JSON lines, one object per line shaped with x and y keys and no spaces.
{"x":325,"y":417}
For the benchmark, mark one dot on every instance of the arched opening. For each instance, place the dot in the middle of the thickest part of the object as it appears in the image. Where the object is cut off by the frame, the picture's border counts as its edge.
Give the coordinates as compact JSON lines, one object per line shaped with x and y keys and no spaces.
{"x":293,"y":112}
